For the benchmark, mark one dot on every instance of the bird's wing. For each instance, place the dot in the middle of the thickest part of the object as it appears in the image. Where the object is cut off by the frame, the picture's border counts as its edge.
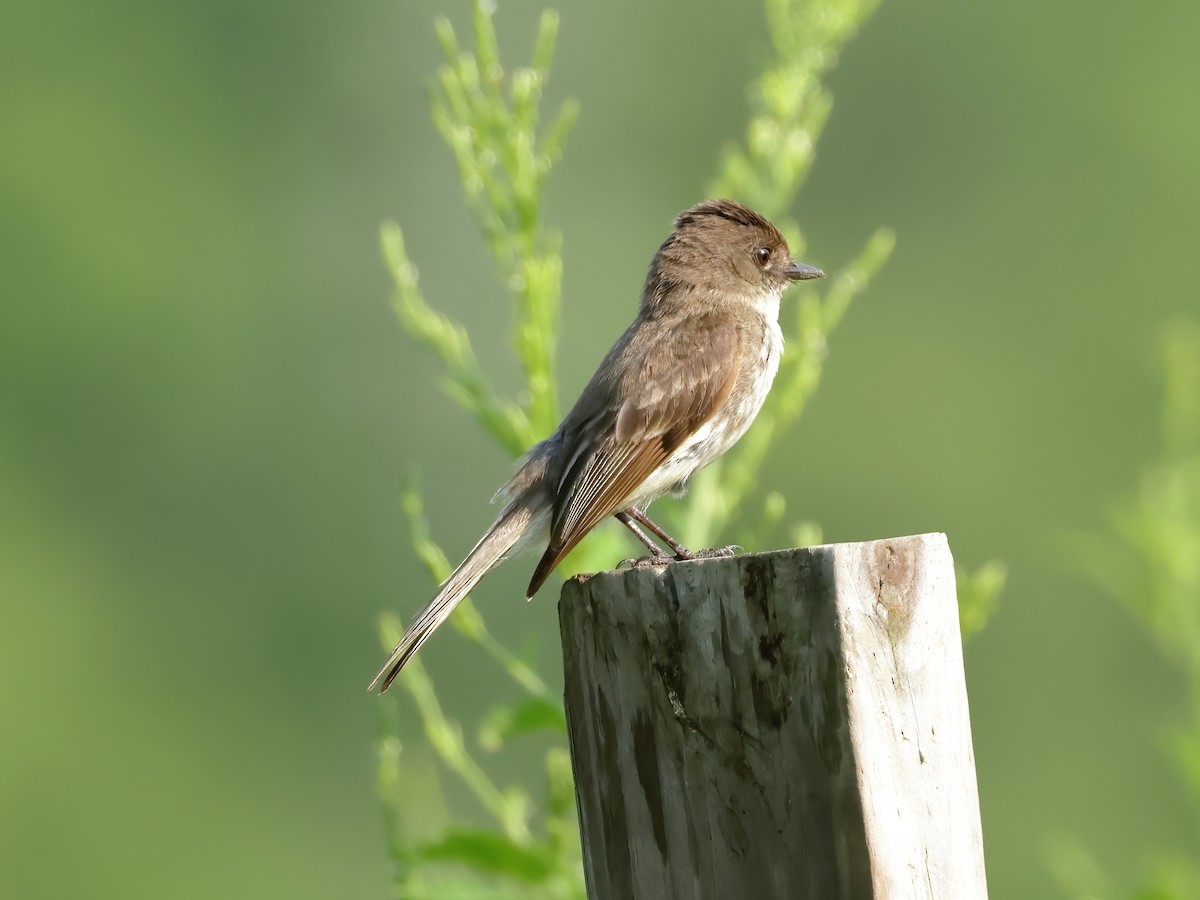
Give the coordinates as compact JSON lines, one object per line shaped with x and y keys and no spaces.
{"x":672,"y":384}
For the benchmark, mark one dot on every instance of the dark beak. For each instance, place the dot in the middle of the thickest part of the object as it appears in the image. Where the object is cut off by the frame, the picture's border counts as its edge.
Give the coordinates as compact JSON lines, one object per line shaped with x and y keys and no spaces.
{"x":800,"y":272}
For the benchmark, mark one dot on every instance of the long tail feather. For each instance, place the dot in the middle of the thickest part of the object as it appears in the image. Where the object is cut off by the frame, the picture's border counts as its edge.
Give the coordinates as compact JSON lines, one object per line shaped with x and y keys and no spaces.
{"x":505,"y":532}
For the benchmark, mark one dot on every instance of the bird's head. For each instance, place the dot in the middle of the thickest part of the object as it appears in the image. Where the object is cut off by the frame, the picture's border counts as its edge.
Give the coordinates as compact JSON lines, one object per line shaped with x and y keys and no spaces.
{"x":726,"y":252}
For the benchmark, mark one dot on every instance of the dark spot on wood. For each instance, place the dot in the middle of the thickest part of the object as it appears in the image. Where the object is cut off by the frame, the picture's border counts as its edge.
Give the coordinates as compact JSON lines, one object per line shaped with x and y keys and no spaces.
{"x":778,"y":645}
{"x":756,"y":583}
{"x":725,"y":652}
{"x":670,"y":654}
{"x":832,"y":734}
{"x":767,"y":708}
{"x":768,"y":647}
{"x":893,"y":573}
{"x":645,"y":757}
{"x":614,"y":823}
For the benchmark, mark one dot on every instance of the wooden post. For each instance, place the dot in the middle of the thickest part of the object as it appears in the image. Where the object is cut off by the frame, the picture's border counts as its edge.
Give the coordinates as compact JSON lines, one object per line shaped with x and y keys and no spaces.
{"x":778,"y":725}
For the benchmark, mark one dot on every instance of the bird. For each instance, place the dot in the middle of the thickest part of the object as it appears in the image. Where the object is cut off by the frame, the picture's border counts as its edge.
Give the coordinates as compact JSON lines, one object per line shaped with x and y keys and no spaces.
{"x":677,"y":389}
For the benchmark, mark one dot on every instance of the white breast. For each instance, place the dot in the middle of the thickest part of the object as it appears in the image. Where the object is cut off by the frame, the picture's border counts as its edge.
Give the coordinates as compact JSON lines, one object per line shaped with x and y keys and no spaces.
{"x":726,"y":426}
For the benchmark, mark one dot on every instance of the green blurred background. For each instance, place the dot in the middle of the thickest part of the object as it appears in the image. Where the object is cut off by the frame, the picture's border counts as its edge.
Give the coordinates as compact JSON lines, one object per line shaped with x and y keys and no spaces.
{"x":206,"y":407}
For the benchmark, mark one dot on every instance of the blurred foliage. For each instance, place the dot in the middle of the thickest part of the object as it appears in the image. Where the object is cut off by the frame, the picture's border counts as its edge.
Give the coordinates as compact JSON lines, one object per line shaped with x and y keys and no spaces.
{"x":1149,"y":562}
{"x":978,"y":594}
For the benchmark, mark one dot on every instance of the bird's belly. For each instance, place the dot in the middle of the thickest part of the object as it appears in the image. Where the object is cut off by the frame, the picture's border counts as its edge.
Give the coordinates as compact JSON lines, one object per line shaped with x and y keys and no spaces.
{"x":721,"y":431}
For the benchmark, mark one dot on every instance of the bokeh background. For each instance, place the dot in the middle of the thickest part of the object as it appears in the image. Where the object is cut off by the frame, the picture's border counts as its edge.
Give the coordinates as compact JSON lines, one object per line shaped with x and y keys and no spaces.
{"x":206,"y":407}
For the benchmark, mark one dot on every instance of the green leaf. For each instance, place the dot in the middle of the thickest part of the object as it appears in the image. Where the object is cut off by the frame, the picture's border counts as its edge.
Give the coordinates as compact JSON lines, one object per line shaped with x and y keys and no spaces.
{"x":560,"y":783}
{"x":978,"y":595}
{"x":530,"y":715}
{"x":488,"y":851}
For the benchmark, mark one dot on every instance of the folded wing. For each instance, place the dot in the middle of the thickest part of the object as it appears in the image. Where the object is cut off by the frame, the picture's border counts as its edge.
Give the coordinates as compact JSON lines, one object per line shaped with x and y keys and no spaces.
{"x":665,"y":387}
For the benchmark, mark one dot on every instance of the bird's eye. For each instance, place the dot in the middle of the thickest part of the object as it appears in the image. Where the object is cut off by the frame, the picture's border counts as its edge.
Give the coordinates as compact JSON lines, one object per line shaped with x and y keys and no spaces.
{"x":762,"y":255}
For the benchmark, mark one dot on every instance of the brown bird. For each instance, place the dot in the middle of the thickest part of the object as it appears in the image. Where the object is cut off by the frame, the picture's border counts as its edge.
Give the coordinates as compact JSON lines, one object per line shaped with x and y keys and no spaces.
{"x":677,"y":390}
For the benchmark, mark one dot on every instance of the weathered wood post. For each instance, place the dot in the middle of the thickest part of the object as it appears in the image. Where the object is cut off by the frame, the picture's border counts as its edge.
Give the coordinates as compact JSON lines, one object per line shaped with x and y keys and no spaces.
{"x":790,"y":724}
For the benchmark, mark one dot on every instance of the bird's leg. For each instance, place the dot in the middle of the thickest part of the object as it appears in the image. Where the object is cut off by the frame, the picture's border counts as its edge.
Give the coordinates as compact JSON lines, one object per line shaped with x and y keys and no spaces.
{"x":636,"y":515}
{"x":681,"y":552}
{"x":657,"y":556}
